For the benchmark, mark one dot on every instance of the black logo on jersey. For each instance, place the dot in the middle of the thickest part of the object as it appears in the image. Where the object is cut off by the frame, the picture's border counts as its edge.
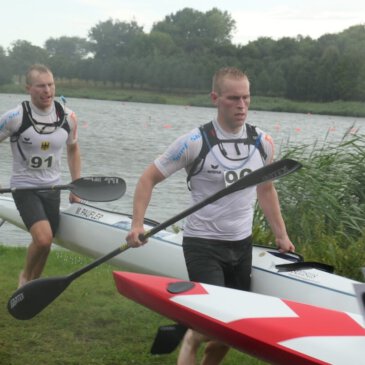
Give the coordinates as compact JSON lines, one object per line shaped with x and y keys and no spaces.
{"x":26,"y":140}
{"x":45,"y":146}
{"x":214,"y":169}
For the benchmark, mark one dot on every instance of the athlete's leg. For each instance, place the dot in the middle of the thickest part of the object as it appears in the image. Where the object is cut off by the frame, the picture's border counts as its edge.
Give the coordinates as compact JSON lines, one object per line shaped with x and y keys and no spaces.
{"x":190,"y":345}
{"x":203,"y":264}
{"x":214,"y":353}
{"x":38,"y":251}
{"x":237,"y":276}
{"x":40,"y":213}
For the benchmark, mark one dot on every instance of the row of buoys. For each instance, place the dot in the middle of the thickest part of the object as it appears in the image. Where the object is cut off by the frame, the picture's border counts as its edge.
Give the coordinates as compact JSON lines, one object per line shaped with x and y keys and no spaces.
{"x":278,"y":127}
{"x":165,"y":126}
{"x":353,"y":130}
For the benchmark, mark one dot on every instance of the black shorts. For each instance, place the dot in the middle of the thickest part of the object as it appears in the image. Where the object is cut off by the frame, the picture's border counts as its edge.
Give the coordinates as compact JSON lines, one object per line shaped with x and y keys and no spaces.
{"x":222,"y":263}
{"x":35,"y":206}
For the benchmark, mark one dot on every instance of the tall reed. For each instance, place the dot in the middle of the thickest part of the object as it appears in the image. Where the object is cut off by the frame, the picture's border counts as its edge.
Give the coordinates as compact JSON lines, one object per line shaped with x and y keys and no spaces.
{"x":323,"y":204}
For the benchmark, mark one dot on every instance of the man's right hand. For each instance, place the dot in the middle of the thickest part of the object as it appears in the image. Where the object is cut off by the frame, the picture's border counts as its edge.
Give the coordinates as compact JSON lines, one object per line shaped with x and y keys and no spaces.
{"x":133,"y":237}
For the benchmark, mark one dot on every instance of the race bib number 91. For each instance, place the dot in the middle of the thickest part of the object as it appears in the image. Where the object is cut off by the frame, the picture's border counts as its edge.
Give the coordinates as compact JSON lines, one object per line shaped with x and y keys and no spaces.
{"x":232,"y":176}
{"x":41,"y":163}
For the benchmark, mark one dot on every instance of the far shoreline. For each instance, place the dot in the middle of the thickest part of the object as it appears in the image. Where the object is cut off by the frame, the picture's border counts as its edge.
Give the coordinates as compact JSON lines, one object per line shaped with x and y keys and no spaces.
{"x":84,"y":90}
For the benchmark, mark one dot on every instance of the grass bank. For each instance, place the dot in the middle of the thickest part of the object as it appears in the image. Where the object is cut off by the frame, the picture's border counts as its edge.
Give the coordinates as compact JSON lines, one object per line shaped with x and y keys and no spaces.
{"x":80,"y":89}
{"x":90,"y":323}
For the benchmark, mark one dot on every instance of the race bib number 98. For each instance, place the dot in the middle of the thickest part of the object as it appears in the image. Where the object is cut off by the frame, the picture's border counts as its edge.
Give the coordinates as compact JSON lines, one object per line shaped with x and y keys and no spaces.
{"x":41,"y":163}
{"x":232,"y":176}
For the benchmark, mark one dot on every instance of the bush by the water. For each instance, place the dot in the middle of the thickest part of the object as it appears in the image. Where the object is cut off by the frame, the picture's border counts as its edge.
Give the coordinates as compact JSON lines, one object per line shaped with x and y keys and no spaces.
{"x":323,"y":204}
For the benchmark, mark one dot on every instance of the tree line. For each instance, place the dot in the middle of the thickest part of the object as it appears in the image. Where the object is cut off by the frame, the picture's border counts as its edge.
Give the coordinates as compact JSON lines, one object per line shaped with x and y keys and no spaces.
{"x":182,"y":52}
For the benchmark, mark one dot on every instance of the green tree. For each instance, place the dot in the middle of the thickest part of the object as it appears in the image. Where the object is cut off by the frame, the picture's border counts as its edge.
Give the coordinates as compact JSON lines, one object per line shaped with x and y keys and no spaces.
{"x":195,"y":31}
{"x":5,"y":74}
{"x":23,"y":54}
{"x":285,"y":48}
{"x":73,"y":48}
{"x":297,"y":78}
{"x":158,"y":43}
{"x":65,"y":54}
{"x":326,"y":74}
{"x":113,"y":38}
{"x":348,"y":76}
{"x":359,"y":89}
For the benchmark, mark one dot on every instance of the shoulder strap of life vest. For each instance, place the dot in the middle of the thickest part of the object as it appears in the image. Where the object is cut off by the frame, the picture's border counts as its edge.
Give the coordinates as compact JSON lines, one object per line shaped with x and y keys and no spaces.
{"x":28,"y":122}
{"x":254,"y":138}
{"x":210,"y":139}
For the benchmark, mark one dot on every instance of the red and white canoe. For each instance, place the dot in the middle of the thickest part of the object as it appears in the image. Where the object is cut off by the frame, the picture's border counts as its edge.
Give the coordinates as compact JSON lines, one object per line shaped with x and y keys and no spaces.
{"x":276,"y":330}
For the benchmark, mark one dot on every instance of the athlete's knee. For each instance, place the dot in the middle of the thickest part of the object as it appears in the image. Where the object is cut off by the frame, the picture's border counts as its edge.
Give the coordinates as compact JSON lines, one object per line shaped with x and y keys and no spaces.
{"x":216,"y":346}
{"x":43,"y":241}
{"x":194,"y":339}
{"x":214,"y":352}
{"x":42,"y":235}
{"x":189,"y":347}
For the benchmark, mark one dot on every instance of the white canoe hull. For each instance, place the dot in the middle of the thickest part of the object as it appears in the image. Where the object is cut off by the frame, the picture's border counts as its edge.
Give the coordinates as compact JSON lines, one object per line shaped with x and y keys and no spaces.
{"x":95,"y":232}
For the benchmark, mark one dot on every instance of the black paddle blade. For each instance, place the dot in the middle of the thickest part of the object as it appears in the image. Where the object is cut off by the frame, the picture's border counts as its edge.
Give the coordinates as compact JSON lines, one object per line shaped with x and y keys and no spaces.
{"x":167,"y":339}
{"x":269,"y":172}
{"x":34,"y":296}
{"x":305,"y":265}
{"x":99,"y":188}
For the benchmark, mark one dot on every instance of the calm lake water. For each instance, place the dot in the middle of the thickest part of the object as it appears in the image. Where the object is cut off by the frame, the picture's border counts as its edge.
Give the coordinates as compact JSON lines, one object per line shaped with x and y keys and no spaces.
{"x":121,"y":139}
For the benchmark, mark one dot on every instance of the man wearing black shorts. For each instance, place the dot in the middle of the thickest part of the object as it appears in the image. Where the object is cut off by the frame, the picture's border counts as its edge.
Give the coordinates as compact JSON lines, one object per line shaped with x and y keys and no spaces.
{"x":38,"y":130}
{"x":217,"y":241}
{"x":35,"y":206}
{"x":219,"y":263}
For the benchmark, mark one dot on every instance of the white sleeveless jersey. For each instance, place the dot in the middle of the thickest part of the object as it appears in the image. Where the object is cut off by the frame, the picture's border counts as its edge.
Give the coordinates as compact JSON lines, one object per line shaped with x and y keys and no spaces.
{"x":41,"y":163}
{"x":229,"y":218}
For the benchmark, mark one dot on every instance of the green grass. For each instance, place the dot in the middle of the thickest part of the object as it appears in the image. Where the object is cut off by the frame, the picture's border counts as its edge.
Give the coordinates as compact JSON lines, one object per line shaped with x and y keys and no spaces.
{"x":339,"y":107}
{"x":90,"y":323}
